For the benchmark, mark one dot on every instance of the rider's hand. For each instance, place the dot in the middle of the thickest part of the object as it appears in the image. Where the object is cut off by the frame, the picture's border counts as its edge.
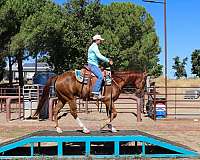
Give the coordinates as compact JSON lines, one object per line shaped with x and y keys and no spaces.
{"x":110,"y":62}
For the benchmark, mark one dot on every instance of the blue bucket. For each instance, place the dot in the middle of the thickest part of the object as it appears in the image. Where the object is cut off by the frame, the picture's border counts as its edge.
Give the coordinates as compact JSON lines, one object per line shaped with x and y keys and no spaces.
{"x":160,"y":110}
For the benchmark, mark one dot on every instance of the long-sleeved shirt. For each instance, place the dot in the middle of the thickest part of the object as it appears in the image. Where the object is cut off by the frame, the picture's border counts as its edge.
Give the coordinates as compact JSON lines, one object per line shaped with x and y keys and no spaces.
{"x":94,"y":55}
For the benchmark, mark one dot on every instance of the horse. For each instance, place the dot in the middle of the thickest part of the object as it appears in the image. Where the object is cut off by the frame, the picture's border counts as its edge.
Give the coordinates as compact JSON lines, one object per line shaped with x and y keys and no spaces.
{"x":67,"y":88}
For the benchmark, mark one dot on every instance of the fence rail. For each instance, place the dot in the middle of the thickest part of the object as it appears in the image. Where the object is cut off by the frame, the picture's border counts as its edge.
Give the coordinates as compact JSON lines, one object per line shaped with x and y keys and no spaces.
{"x":182,"y":102}
{"x":178,"y":103}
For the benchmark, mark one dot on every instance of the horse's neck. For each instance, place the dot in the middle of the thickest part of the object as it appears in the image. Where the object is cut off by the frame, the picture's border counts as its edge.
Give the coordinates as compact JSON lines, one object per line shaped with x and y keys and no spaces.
{"x":129,"y":78}
{"x":121,"y":84}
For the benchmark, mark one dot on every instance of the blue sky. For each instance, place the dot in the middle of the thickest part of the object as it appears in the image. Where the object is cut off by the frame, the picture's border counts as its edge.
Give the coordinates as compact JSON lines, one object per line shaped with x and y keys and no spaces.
{"x":183,"y":30}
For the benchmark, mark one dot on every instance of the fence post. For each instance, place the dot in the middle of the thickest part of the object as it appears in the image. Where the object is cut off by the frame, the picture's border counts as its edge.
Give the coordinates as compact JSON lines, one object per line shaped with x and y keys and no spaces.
{"x":154,"y":102}
{"x":175,"y":101}
{"x":19,"y":93}
{"x":8,"y":114}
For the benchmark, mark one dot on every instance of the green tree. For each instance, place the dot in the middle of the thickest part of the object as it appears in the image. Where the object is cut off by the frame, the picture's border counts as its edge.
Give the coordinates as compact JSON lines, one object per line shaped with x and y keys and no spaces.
{"x":64,"y":33}
{"x":179,"y":67}
{"x":2,"y":68}
{"x":43,"y":32}
{"x":83,"y":16}
{"x":13,"y":13}
{"x":195,"y":60}
{"x":130,"y":36}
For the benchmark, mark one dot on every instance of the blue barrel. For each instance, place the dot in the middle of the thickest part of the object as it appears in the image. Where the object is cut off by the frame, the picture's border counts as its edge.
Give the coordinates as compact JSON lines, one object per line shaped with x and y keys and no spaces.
{"x":42,"y":77}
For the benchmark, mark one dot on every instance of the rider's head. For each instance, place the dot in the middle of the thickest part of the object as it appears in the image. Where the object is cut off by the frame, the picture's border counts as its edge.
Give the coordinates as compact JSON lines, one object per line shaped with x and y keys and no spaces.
{"x":97,"y":39}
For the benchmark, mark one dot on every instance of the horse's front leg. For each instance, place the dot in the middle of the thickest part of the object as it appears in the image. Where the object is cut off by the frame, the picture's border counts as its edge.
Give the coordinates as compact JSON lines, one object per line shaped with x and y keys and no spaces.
{"x":58,"y":107}
{"x":112,"y":115}
{"x":73,"y":110}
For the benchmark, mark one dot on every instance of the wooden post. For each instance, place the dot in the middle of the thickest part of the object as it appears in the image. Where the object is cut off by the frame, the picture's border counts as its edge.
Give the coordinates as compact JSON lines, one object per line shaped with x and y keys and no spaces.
{"x":8,"y":113}
{"x":19,"y":91}
{"x":154,"y":103}
{"x":138,"y":110}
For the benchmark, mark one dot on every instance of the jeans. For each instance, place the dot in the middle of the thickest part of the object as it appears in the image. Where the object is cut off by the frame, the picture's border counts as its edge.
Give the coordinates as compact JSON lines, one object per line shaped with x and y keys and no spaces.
{"x":97,"y":72}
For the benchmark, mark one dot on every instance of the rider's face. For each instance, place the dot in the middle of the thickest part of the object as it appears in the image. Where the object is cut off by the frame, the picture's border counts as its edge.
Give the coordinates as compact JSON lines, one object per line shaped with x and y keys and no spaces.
{"x":98,"y":41}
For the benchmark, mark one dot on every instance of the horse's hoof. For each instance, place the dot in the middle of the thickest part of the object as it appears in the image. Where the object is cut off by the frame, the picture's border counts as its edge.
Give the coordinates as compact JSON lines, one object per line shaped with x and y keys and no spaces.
{"x":86,"y":131}
{"x":59,"y":130}
{"x":112,"y":129}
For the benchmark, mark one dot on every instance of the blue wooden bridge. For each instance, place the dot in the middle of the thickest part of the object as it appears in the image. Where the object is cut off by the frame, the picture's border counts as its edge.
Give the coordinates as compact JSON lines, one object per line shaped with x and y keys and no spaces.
{"x":98,"y":144}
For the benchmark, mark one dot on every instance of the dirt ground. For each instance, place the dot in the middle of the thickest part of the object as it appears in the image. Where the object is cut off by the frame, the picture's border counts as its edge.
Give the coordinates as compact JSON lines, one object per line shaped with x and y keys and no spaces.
{"x":183,"y":131}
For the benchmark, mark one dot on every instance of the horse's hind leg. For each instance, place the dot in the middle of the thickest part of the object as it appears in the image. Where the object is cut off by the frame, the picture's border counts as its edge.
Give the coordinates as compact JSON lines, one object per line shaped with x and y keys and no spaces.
{"x":73,"y":110}
{"x":58,"y":107}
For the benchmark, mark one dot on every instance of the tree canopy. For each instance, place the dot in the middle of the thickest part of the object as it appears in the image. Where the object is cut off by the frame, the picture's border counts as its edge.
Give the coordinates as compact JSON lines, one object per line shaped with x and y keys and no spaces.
{"x":130,"y":37}
{"x":2,"y":66}
{"x":195,"y":60}
{"x":13,"y":14}
{"x":179,"y":67}
{"x":63,"y":33}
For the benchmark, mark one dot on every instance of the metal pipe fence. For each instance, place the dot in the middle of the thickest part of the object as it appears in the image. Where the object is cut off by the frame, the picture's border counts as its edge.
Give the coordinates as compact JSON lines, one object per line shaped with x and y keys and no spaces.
{"x":8,"y":96}
{"x":182,"y":102}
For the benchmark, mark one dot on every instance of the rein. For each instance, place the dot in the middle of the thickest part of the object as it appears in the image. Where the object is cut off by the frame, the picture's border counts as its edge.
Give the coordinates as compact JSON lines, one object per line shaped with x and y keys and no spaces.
{"x":117,"y":83}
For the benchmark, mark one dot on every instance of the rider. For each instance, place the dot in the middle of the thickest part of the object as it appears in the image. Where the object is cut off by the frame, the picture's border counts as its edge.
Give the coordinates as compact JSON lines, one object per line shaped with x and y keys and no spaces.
{"x":94,"y":56}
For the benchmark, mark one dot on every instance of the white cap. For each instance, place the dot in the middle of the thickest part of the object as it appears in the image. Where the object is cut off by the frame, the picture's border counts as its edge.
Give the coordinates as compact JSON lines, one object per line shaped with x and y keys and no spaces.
{"x":96,"y":37}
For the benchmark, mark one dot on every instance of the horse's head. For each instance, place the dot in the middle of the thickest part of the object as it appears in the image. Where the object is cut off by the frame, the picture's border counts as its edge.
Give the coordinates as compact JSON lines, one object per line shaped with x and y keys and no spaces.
{"x":137,"y":79}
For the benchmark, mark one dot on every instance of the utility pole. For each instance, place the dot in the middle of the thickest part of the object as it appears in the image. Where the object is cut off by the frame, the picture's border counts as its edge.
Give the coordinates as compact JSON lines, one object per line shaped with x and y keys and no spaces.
{"x":164,"y":2}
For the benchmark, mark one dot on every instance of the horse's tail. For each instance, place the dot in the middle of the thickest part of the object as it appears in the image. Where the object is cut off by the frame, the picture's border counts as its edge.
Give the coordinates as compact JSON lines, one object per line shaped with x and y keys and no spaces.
{"x":45,"y":95}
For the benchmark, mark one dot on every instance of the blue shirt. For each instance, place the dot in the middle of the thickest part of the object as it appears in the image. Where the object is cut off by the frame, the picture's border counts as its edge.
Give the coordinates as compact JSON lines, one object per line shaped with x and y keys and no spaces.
{"x":94,"y":55}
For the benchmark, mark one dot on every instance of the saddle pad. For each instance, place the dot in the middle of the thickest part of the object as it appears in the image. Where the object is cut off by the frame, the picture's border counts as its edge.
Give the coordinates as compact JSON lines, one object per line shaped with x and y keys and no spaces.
{"x":108,"y":78}
{"x":78,"y":75}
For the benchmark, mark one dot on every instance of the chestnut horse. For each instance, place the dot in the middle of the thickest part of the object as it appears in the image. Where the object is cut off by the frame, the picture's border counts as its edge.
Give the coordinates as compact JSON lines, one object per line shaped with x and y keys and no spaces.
{"x":68,"y":88}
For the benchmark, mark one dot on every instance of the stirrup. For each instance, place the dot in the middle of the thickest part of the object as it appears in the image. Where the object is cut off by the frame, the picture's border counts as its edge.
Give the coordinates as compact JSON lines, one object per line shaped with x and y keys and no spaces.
{"x":98,"y":96}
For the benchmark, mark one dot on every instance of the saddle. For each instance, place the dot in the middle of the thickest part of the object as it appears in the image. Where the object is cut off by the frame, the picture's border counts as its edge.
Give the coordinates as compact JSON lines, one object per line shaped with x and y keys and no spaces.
{"x":85,"y":74}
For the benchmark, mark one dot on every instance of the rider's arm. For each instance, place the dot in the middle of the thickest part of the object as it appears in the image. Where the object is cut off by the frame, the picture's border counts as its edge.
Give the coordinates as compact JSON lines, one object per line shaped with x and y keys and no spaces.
{"x":99,"y":55}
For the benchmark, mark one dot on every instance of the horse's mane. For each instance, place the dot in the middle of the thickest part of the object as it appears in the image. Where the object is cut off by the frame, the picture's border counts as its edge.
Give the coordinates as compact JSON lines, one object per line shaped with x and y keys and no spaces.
{"x":127,"y":73}
{"x":119,"y":76}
